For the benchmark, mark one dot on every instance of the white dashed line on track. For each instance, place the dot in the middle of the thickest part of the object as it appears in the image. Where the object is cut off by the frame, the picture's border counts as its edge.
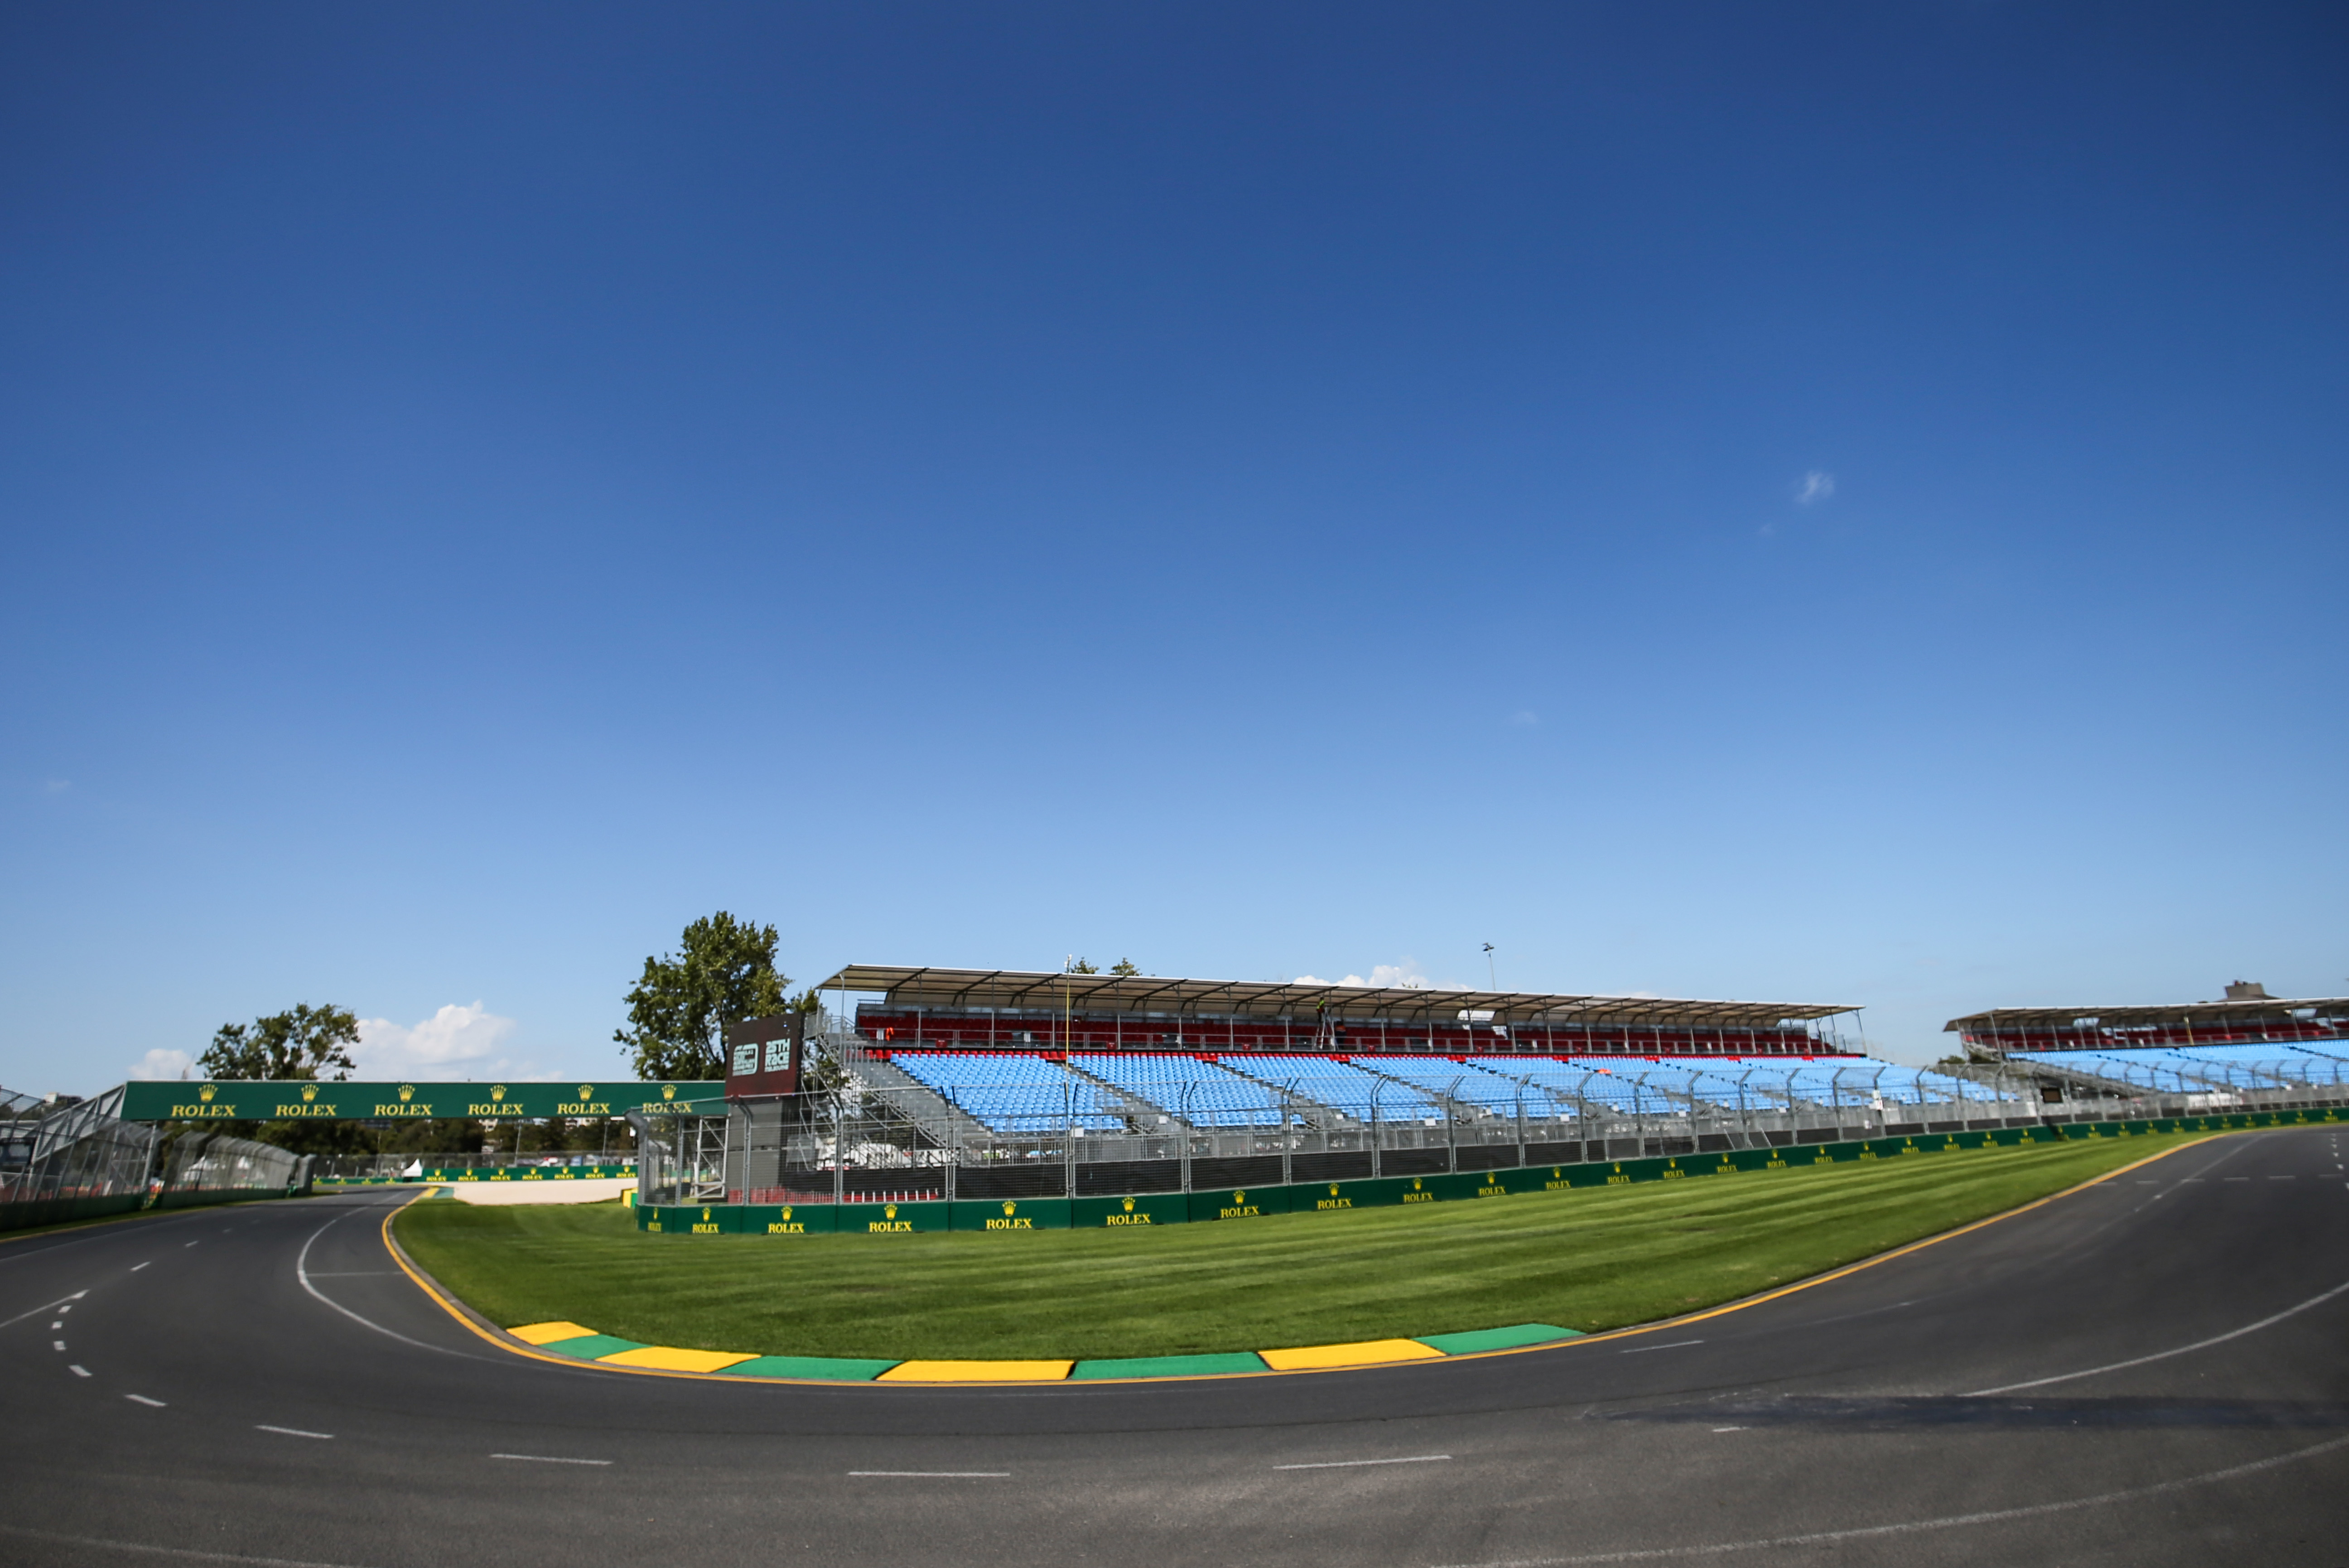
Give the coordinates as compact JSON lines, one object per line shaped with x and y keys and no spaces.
{"x":57,"y":1344}
{"x":79,"y":1371}
{"x":142,"y":1399}
{"x":136,"y":1267}
{"x":1675,"y":1345}
{"x":1351,"y":1464}
{"x":549,"y":1459}
{"x":291,"y":1431}
{"x":941,"y":1475}
{"x":57,"y":1325}
{"x":1729,"y":1428}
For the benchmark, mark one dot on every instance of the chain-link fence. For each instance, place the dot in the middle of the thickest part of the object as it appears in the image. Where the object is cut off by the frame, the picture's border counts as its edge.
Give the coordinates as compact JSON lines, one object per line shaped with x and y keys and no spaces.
{"x":81,"y":1160}
{"x":897,"y":1125}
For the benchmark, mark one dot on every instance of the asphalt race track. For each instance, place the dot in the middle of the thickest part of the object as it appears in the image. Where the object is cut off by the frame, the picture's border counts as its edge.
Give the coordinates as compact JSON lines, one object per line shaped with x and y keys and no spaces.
{"x":2153,"y":1370}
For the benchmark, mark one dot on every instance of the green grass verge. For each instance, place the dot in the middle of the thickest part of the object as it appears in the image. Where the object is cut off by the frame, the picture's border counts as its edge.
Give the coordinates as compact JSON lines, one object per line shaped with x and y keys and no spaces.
{"x":1593,"y":1259}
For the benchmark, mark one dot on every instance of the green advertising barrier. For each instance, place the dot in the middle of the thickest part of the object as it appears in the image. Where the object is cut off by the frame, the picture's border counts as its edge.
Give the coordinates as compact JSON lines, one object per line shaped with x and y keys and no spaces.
{"x":1239,"y":1202}
{"x":791,"y":1219}
{"x":1329,"y":1197}
{"x":1009,"y":1214}
{"x":895,"y":1219}
{"x":1126,"y":1212}
{"x":516,"y":1173}
{"x":1326,"y":1197}
{"x":280,"y":1101}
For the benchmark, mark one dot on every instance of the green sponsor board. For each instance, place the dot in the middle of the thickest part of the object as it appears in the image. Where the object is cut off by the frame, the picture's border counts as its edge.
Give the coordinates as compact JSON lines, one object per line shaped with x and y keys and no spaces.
{"x":1239,"y":1202}
{"x":1336,"y":1197}
{"x":894,"y":1219}
{"x":790,"y":1219}
{"x":1008,"y":1214}
{"x":258,"y":1101}
{"x":1129,"y":1213}
{"x":518,"y":1173}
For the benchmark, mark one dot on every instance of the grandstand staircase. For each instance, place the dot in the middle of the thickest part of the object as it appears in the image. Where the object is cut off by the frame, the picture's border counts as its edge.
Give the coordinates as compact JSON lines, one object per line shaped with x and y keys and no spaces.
{"x":1316,"y":1114}
{"x":1148,"y":1115}
{"x":916,"y":1100}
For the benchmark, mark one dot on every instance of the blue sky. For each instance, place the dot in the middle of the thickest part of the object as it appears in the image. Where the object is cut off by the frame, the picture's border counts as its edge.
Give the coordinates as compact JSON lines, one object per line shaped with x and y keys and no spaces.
{"x":1826,"y":503}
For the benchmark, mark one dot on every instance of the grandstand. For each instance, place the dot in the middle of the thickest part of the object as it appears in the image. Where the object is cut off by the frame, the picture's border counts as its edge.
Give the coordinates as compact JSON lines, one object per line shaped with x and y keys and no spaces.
{"x":941,"y":1083}
{"x":2199,"y":1054}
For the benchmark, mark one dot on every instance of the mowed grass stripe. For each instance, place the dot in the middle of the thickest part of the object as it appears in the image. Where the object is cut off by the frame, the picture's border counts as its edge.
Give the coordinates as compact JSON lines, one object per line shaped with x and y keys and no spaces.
{"x":1594,"y":1259}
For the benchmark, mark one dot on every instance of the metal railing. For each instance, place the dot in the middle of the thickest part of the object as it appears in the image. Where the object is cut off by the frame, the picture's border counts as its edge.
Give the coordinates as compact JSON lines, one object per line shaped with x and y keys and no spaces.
{"x":81,"y":1160}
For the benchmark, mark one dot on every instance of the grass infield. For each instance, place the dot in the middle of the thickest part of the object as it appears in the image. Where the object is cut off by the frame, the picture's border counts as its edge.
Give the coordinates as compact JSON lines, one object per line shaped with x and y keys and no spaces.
{"x":1593,"y":1259}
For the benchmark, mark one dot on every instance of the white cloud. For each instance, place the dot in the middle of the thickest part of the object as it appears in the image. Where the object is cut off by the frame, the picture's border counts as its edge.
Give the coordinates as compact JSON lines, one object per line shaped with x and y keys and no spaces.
{"x":1816,"y":487}
{"x":158,"y":1065}
{"x":1405,"y":973}
{"x":1525,"y":718}
{"x":454,"y":1034}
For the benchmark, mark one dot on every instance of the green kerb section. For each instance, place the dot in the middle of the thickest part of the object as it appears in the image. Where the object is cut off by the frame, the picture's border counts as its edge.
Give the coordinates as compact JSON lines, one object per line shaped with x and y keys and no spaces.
{"x":592,"y":1346}
{"x":1170,"y":1366}
{"x":831,"y":1369}
{"x":1497,"y":1338}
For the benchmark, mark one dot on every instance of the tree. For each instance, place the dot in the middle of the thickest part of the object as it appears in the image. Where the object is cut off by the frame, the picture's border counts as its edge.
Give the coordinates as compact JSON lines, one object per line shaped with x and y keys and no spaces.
{"x":300,"y":1043}
{"x":1081,"y":966}
{"x":725,"y":973}
{"x":1123,"y":967}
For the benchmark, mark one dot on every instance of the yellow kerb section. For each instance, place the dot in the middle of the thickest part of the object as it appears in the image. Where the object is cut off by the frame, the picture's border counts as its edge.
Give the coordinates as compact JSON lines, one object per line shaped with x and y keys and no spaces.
{"x":662,"y":1358}
{"x":548,"y":1332}
{"x":977,"y":1372}
{"x":1367,"y":1353}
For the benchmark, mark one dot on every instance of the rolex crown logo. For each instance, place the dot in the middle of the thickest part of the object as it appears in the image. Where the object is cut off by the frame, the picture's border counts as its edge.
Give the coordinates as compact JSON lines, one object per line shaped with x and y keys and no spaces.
{"x":669,"y":1091}
{"x":705,"y":1217}
{"x":207,"y":1091}
{"x":497,"y":1091}
{"x":888,"y":1211}
{"x":1333,"y":1190}
{"x":309,"y":1092}
{"x":1239,"y":1198}
{"x":1009,"y":1206}
{"x":1129,"y":1206}
{"x":586,"y":1091}
{"x":406,"y":1092}
{"x":787,"y":1211}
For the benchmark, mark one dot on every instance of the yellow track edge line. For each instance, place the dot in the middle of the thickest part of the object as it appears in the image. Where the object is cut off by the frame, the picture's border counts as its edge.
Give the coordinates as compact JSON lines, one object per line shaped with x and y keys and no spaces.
{"x":505,"y":1341}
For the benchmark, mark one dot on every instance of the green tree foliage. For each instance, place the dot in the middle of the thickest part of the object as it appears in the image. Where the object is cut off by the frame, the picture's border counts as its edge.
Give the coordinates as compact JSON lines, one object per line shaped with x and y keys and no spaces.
{"x":300,"y":1043}
{"x":1081,"y":965}
{"x":1124,"y":966}
{"x":725,"y":972}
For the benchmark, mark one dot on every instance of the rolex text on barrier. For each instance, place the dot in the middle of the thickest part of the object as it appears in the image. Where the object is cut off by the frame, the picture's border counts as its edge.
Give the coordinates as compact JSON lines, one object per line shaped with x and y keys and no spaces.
{"x":228,"y":1100}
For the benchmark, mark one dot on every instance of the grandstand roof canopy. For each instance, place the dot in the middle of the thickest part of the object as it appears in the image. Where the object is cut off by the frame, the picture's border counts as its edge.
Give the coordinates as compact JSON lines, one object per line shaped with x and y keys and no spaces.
{"x":2165,"y":1013}
{"x":1095,"y":993}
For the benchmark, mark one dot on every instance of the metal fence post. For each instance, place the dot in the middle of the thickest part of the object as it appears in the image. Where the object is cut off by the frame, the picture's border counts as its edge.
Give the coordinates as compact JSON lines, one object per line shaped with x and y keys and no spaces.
{"x":1190,"y":1128}
{"x":1287,"y":1097}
